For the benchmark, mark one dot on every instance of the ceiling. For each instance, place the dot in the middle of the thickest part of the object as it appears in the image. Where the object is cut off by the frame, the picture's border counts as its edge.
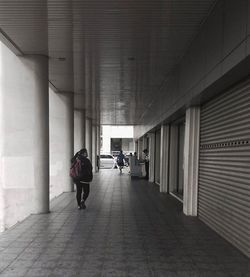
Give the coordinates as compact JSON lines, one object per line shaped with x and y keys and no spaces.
{"x":113,"y":54}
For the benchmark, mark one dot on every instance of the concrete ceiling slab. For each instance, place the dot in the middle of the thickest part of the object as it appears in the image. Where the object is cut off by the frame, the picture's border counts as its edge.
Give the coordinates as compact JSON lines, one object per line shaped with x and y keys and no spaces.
{"x":113,"y":54}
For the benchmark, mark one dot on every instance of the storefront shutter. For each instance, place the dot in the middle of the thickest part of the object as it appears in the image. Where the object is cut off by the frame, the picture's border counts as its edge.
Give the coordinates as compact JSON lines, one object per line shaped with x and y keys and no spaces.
{"x":224,"y":169}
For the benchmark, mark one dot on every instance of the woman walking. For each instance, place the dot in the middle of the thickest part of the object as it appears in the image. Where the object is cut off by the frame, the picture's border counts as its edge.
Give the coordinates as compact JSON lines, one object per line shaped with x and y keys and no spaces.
{"x":81,"y":171}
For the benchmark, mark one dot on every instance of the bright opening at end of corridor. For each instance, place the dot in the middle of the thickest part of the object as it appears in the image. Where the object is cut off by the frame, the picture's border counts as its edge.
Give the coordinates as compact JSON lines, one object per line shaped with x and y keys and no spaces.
{"x":116,"y":138}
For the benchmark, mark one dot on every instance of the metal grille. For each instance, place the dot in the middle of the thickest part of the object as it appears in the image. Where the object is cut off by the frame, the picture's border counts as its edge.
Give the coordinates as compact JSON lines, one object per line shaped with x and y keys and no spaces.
{"x":224,"y":170}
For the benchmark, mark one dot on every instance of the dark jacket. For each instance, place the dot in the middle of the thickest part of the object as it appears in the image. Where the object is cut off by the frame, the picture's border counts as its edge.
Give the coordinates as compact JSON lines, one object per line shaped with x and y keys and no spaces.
{"x":120,"y":159}
{"x":86,"y":174}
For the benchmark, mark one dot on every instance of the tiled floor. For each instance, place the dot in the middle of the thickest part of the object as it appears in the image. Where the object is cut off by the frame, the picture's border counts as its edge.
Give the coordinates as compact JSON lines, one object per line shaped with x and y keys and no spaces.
{"x":128,"y":229}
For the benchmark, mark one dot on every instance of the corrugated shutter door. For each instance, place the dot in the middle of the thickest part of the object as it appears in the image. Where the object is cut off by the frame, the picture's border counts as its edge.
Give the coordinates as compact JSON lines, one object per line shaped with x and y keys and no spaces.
{"x":224,"y":170}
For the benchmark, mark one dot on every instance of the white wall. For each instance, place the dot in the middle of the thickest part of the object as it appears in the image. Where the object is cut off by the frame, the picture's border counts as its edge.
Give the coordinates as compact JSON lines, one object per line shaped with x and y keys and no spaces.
{"x":17,"y":83}
{"x":59,"y":169}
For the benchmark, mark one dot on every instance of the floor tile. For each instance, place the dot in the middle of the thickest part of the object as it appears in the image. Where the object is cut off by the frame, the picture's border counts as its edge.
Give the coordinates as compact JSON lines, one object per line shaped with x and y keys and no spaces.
{"x":128,"y":229}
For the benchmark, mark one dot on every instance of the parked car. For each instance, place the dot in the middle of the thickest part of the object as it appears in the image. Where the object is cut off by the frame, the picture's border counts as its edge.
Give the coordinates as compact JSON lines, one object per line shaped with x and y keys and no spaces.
{"x":107,"y":161}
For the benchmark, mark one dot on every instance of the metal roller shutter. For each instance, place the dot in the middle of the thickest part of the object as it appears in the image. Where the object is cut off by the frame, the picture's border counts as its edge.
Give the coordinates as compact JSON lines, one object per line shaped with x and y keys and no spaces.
{"x":224,"y":169}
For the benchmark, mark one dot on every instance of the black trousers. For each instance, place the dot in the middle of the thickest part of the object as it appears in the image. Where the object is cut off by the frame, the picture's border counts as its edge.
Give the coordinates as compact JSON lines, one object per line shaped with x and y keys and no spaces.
{"x":82,"y":191}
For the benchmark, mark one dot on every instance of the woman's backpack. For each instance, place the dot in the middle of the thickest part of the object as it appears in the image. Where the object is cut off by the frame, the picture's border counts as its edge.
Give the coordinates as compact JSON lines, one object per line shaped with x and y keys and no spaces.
{"x":81,"y":170}
{"x":75,"y":168}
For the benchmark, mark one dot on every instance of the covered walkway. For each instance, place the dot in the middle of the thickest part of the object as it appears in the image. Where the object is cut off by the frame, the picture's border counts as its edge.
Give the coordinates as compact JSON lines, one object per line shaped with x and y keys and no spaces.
{"x":128,"y":229}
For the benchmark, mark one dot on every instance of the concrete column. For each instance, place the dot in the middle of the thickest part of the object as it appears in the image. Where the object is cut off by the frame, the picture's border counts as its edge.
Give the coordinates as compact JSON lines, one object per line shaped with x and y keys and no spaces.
{"x":136,"y":146}
{"x":139,"y":153}
{"x":69,"y":133}
{"x":144,"y":142}
{"x":191,"y":161}
{"x":83,"y":128}
{"x":98,"y":137}
{"x":88,"y":137}
{"x":2,"y":205}
{"x":41,"y":134}
{"x":173,"y":157}
{"x":151,"y":157}
{"x":94,"y":147}
{"x":2,"y":198}
{"x":79,"y":130}
{"x":164,"y":154}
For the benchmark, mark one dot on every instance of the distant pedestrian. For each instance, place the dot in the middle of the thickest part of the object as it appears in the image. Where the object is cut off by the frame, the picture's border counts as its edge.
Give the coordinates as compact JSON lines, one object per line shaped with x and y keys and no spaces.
{"x":82,"y":176}
{"x":120,"y":161}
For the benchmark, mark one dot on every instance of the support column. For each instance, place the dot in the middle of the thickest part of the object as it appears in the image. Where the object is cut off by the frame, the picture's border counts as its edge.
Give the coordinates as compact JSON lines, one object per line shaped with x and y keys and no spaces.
{"x":79,"y":129}
{"x":88,"y":137}
{"x":98,"y":137}
{"x":2,"y":204}
{"x":41,"y":135}
{"x":136,"y":146}
{"x":139,"y":153}
{"x":191,"y":161}
{"x":83,"y":128}
{"x":94,"y":147}
{"x":151,"y":157}
{"x":2,"y":198}
{"x":69,"y":133}
{"x":173,"y":157}
{"x":144,"y":142}
{"x":164,"y":154}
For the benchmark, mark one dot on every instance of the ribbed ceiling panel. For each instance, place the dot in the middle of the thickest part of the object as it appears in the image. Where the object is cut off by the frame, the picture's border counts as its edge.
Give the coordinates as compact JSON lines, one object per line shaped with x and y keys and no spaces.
{"x":120,"y":51}
{"x":25,"y":22}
